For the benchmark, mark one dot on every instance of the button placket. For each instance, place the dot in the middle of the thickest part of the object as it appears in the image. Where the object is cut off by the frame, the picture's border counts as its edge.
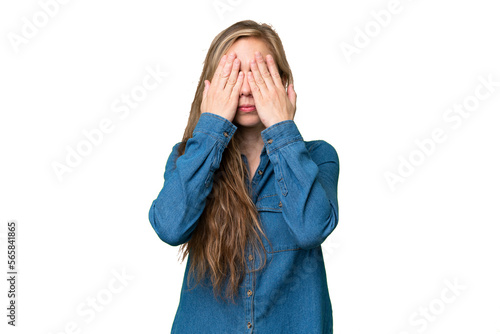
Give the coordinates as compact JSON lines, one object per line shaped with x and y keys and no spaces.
{"x":249,"y":284}
{"x":260,"y":170}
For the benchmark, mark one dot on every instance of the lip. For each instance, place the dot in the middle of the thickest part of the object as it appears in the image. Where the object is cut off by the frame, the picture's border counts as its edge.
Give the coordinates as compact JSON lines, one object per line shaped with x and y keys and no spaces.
{"x":247,"y":108}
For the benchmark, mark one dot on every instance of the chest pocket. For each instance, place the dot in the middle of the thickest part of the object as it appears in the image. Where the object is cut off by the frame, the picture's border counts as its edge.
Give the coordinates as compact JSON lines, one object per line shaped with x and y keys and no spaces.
{"x":274,"y":225}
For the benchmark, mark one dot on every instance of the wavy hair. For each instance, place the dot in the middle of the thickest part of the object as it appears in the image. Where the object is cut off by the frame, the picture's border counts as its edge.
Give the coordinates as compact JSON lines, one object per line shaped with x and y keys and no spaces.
{"x":229,"y":219}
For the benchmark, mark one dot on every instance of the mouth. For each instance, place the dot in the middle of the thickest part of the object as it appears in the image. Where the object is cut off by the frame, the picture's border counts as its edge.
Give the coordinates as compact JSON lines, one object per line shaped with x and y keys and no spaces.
{"x":246,"y":108}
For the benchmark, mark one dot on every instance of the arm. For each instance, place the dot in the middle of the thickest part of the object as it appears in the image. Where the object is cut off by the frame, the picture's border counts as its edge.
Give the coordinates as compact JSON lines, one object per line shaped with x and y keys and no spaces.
{"x":307,"y":188}
{"x":189,"y":179}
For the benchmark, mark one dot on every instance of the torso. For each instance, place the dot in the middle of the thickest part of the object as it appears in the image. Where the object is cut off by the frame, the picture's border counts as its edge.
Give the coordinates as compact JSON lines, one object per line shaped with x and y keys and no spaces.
{"x":253,"y":168}
{"x":253,"y":165}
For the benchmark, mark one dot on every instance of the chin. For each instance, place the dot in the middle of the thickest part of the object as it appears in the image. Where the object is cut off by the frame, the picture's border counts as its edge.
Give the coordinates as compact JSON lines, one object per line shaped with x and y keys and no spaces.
{"x":248,"y":120}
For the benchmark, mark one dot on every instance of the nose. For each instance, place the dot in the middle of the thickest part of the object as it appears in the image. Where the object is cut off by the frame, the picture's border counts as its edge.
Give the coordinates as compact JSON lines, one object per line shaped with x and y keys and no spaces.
{"x":245,"y":87}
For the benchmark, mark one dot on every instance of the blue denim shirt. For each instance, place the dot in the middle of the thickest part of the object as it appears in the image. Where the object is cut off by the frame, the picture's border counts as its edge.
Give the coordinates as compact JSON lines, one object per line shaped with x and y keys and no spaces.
{"x":295,"y":192}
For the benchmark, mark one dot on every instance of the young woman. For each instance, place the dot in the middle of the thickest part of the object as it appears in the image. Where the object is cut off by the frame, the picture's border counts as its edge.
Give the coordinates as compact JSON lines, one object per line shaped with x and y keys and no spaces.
{"x":249,"y":199}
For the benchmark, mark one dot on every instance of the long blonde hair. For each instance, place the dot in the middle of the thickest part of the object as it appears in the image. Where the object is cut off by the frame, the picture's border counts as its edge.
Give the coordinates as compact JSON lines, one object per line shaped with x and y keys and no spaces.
{"x":230,"y":218}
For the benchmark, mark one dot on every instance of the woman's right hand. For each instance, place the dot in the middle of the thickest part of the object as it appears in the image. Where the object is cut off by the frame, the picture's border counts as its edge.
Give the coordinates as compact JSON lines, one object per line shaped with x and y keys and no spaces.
{"x":221,"y":96}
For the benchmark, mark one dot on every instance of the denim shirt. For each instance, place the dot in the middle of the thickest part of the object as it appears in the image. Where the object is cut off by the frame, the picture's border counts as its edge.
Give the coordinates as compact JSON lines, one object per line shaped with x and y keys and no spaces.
{"x":295,"y":192}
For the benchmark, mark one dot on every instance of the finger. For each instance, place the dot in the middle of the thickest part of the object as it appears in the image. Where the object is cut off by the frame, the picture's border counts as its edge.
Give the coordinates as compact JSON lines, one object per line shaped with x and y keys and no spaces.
{"x":226,"y":71}
{"x":237,"y":88}
{"x":292,"y":95}
{"x":256,"y":75}
{"x":234,"y":74}
{"x":264,"y":71}
{"x":219,"y":69}
{"x":275,"y":74}
{"x":253,"y":86}
{"x":205,"y":89}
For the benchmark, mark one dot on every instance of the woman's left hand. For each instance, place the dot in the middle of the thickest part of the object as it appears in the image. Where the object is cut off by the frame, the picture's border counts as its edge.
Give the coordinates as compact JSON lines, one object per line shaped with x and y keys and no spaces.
{"x":273,"y":103}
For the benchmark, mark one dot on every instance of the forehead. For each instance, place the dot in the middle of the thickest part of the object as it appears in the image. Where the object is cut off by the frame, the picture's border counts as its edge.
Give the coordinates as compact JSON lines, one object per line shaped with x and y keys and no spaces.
{"x":245,"y":48}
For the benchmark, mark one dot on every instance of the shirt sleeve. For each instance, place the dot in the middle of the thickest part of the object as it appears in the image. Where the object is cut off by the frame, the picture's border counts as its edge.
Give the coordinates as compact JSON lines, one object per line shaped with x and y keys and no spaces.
{"x":307,"y":187}
{"x":188,"y":179}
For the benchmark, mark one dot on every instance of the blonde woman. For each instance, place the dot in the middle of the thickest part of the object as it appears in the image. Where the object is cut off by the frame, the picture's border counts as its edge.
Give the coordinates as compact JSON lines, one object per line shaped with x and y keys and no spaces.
{"x":249,"y":199}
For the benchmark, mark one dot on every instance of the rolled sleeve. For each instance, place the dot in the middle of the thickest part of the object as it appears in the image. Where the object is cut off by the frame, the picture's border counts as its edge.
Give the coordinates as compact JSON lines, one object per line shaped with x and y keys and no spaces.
{"x":188,"y":179}
{"x":216,"y":126}
{"x":307,"y":187}
{"x":280,"y":134}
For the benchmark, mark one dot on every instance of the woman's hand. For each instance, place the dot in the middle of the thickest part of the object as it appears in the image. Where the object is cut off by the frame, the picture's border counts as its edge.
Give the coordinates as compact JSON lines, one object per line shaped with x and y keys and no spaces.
{"x":273,"y":103}
{"x":221,"y":96}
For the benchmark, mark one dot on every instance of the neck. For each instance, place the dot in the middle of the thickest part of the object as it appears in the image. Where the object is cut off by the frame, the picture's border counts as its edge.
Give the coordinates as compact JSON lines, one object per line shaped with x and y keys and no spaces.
{"x":251,"y":141}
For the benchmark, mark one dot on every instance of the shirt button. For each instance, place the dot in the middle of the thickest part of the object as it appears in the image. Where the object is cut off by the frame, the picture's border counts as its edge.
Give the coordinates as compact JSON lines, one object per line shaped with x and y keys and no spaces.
{"x":269,"y":141}
{"x":249,"y":293}
{"x":280,"y":205}
{"x":250,"y":257}
{"x":249,"y":325}
{"x":260,"y":172}
{"x":226,"y":134}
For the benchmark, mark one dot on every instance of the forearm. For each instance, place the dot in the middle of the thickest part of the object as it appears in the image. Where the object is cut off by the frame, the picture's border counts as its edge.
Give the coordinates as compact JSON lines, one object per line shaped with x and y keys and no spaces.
{"x":189,"y":180}
{"x":307,"y":188}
